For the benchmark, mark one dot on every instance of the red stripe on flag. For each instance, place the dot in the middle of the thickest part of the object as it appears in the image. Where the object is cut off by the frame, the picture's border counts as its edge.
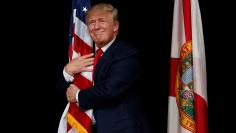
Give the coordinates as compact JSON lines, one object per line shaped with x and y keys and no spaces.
{"x":78,"y":78}
{"x":201,"y":114}
{"x":68,"y":127}
{"x":81,"y":46}
{"x":174,"y":62}
{"x":70,"y":52}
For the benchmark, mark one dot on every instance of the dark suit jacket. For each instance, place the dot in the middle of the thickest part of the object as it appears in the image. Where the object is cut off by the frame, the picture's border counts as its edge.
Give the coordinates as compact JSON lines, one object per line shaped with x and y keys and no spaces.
{"x":113,"y":96}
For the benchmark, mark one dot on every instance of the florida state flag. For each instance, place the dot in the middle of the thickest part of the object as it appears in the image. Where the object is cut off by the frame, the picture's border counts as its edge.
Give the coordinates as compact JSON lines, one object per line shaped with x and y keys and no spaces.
{"x":187,"y":110}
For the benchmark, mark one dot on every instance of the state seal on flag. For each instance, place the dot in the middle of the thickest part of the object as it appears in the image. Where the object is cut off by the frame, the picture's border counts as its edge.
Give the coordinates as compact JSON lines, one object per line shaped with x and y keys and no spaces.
{"x":184,"y":88}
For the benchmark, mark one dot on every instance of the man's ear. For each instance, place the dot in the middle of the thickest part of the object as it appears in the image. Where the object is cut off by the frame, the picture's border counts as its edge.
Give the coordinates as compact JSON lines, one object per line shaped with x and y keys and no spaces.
{"x":116,"y":27}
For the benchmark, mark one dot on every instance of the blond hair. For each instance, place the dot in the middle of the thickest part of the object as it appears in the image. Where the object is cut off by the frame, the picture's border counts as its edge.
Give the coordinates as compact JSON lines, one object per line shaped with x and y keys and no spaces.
{"x":108,"y":8}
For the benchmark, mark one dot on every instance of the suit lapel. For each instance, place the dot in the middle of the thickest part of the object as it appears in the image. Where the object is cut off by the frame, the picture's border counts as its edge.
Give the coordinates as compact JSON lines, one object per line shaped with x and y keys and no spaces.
{"x":105,"y":57}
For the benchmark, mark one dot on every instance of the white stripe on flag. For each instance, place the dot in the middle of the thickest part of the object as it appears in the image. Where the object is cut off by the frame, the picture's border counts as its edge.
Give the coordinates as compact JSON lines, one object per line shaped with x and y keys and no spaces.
{"x":82,"y":31}
{"x":88,"y":75}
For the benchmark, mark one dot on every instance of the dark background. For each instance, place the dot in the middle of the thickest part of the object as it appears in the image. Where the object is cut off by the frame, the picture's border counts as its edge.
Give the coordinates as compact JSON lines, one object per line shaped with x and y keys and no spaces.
{"x":34,"y":43}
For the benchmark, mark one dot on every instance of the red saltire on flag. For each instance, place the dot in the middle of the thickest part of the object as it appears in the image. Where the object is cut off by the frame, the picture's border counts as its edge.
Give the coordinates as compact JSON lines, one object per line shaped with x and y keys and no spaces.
{"x":188,"y":109}
{"x":73,"y":119}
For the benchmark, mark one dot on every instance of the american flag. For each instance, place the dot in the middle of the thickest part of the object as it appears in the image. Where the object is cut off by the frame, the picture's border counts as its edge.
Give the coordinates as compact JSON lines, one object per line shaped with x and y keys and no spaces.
{"x":188,"y":111}
{"x":73,"y":120}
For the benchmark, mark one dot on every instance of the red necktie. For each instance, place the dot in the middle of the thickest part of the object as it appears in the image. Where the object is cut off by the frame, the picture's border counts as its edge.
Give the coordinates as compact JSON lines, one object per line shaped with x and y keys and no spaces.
{"x":97,"y":57}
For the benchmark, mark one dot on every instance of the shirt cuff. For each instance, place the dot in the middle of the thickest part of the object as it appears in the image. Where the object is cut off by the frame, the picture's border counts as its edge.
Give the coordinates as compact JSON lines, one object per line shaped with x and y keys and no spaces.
{"x":68,"y":77}
{"x":77,"y":96}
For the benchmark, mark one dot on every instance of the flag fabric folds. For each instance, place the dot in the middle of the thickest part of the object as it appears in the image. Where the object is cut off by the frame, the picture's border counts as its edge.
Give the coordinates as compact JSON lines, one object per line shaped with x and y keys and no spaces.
{"x":187,"y":109}
{"x":74,"y":120}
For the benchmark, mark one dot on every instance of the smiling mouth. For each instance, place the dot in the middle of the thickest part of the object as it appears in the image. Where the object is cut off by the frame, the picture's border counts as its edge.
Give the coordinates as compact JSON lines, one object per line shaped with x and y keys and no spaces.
{"x":98,"y":34}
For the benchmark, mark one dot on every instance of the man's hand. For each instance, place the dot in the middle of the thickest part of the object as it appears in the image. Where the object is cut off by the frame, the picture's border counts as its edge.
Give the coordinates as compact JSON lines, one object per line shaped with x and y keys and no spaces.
{"x":80,"y":64}
{"x":71,"y":93}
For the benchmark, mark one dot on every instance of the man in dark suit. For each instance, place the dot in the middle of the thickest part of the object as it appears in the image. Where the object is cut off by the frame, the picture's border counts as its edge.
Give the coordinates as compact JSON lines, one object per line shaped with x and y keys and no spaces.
{"x":113,"y":96}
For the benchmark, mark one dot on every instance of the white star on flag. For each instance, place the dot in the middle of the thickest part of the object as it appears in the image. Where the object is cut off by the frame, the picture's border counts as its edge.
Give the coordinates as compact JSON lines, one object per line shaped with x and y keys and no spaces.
{"x":85,"y":9}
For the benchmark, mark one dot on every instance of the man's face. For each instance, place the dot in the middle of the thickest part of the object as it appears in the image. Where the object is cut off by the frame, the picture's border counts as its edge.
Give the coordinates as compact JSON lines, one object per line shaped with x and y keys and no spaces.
{"x":102,"y":27}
